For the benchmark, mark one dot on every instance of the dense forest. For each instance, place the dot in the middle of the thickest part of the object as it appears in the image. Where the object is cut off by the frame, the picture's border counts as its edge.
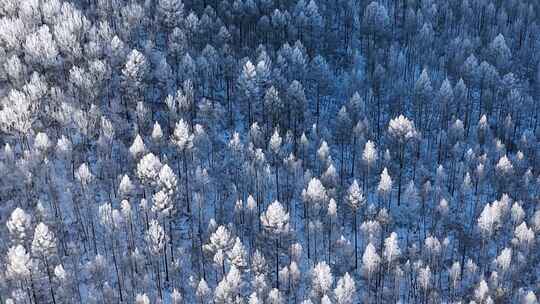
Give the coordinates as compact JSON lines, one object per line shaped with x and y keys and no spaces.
{"x":269,"y":151}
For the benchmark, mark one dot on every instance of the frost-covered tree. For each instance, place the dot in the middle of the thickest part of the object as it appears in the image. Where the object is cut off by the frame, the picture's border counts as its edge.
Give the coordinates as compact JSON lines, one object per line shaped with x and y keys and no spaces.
{"x":202,"y":291}
{"x":321,"y":280}
{"x":156,"y":240}
{"x":18,"y":114}
{"x":171,"y":12}
{"x":402,"y":131}
{"x":142,"y":299}
{"x":369,"y":156}
{"x":133,"y":78}
{"x":391,"y":250}
{"x":385,"y":186}
{"x":345,"y":291}
{"x":370,"y":262}
{"x":44,"y":248}
{"x":18,"y":265}
{"x":182,"y":139}
{"x":275,"y":297}
{"x":148,"y":169}
{"x":314,"y":197}
{"x":228,"y":289}
{"x":221,"y":242}
{"x":275,"y":221}
{"x":355,"y":200}
{"x":41,"y":48}
{"x":247,"y":87}
{"x":18,"y":225}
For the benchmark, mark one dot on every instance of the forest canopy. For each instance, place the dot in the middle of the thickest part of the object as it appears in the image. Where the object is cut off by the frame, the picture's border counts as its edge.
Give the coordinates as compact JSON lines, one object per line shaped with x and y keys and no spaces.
{"x":269,"y":151}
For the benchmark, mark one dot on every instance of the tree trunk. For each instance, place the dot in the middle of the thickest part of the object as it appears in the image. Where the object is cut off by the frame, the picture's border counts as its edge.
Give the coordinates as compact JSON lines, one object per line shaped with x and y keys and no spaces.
{"x":355,"y":241}
{"x":277,"y":262}
{"x":186,"y":182}
{"x":50,"y":279}
{"x":400,"y":174}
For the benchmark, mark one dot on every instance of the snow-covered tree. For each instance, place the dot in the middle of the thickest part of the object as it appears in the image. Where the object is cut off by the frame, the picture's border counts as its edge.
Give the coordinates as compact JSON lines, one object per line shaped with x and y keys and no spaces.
{"x":402,"y":131}
{"x":321,"y":279}
{"x":44,"y":242}
{"x":355,"y":200}
{"x":370,"y":261}
{"x":18,"y":266}
{"x":18,"y":225}
{"x":345,"y":291}
{"x":385,"y":185}
{"x":369,"y":156}
{"x":275,"y":221}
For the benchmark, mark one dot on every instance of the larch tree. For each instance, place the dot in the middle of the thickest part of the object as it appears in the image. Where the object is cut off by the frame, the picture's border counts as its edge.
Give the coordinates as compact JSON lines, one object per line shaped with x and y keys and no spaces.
{"x":276,"y":222}
{"x":355,"y":199}
{"x":345,"y":291}
{"x":137,"y":148}
{"x":402,"y":131}
{"x":182,"y":139}
{"x":247,"y":87}
{"x":44,"y":249}
{"x":171,"y":13}
{"x":321,"y":280}
{"x":275,"y":151}
{"x":148,"y":170}
{"x":370,"y":264}
{"x":376,"y":25}
{"x":384,"y":188}
{"x":111,"y":221}
{"x":221,"y":241}
{"x":18,"y":114}
{"x":314,"y":196}
{"x":18,"y":225}
{"x":202,"y":291}
{"x":322,"y":77}
{"x":275,"y":297}
{"x":332,"y":216}
{"x":423,"y":91}
{"x":156,"y":239}
{"x":41,"y":48}
{"x":369,"y":156}
{"x":133,"y":78}
{"x":18,"y":266}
